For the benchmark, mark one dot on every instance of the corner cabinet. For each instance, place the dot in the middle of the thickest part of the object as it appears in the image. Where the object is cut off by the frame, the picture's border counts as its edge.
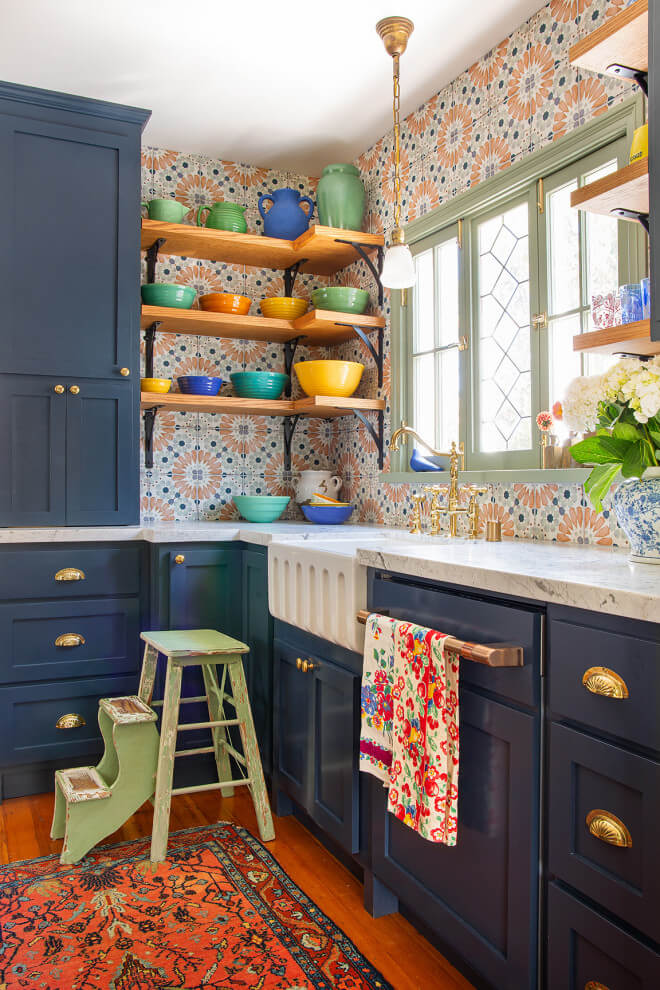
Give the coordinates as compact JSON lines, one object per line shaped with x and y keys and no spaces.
{"x":69,"y":281}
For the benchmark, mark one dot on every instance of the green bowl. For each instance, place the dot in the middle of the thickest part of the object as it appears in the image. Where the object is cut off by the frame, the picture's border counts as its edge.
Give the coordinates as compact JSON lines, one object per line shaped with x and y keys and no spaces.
{"x":168,"y":294}
{"x":259,"y":384}
{"x":341,"y":298}
{"x":261,"y":508}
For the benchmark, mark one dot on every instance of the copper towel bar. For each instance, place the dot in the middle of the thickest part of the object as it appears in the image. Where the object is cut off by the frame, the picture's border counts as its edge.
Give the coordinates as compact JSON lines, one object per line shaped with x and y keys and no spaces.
{"x":495,"y":655}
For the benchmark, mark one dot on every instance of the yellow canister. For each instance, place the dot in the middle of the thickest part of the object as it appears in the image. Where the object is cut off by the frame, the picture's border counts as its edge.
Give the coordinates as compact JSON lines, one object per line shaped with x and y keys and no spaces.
{"x":640,"y":143}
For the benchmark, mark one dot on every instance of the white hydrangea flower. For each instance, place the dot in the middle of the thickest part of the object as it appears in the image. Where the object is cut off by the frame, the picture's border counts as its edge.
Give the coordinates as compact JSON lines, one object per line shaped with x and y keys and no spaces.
{"x":628,"y":381}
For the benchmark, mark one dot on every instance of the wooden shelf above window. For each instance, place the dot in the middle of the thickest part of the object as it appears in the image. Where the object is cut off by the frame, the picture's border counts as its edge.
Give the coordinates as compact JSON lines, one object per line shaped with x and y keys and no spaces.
{"x":319,"y":407}
{"x":628,"y":189}
{"x":320,"y":246}
{"x":630,"y":338}
{"x":622,"y":40}
{"x":318,"y":326}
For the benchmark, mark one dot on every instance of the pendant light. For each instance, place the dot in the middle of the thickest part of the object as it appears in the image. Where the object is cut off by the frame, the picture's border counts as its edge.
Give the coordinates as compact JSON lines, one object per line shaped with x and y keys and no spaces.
{"x":398,"y":267}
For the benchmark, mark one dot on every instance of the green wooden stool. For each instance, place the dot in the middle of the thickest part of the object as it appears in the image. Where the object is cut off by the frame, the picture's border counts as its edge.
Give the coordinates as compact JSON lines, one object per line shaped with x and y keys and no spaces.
{"x":208,"y":649}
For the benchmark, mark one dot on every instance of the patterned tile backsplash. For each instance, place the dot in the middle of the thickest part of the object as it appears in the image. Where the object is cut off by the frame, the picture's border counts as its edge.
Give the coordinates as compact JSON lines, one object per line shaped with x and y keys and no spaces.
{"x":522,"y":95}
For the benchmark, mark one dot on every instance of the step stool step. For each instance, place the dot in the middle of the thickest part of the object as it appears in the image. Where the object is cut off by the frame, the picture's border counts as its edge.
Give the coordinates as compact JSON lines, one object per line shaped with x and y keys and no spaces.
{"x":128,"y":710}
{"x":183,"y":643}
{"x":82,"y":784}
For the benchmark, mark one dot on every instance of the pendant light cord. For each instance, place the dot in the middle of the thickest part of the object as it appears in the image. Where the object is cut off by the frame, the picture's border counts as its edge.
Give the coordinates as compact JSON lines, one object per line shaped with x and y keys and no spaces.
{"x":397,"y":143}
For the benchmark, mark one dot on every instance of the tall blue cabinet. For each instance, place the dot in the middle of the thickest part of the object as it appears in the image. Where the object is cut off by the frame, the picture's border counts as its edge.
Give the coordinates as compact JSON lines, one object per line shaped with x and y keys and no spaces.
{"x":69,"y":282}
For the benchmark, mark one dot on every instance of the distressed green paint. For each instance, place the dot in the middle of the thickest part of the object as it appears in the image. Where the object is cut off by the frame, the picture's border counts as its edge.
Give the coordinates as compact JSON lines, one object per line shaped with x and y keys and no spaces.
{"x":251,"y":751}
{"x":163,"y":796}
{"x":148,"y":675}
{"x":219,"y":733}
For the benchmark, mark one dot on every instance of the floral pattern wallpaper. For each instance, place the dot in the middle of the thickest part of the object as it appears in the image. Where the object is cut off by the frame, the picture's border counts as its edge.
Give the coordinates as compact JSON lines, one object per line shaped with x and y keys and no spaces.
{"x":520,"y":96}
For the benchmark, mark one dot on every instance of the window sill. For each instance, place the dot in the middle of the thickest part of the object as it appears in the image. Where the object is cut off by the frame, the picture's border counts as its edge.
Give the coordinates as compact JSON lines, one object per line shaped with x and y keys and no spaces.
{"x":530,"y":476}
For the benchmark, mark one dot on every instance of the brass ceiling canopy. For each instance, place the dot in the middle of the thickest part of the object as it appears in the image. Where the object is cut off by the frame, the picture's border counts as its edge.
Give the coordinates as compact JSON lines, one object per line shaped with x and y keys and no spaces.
{"x":394,"y":32}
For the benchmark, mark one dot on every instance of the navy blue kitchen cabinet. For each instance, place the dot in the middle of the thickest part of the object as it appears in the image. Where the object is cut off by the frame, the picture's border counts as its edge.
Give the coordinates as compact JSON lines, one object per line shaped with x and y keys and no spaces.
{"x":69,"y":279}
{"x":257,"y":632}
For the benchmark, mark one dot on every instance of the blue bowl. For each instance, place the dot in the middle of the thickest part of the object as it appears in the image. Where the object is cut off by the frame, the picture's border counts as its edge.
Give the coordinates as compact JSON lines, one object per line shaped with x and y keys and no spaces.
{"x":199,"y":384}
{"x":258,"y":384}
{"x":327,"y":514}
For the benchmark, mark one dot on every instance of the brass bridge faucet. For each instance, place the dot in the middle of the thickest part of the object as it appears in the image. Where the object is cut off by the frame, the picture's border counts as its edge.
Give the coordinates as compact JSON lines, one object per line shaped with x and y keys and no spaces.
{"x":454,"y":493}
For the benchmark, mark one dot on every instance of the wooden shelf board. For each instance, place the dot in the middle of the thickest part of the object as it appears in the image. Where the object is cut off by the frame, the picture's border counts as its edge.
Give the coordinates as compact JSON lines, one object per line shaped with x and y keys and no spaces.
{"x":630,"y":338}
{"x":318,"y":326}
{"x":325,"y":256}
{"x":321,"y":407}
{"x":628,"y":188}
{"x":622,"y":39}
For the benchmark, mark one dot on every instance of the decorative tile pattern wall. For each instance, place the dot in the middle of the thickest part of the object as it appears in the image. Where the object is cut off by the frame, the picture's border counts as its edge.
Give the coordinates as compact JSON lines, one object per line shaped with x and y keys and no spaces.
{"x":520,"y":96}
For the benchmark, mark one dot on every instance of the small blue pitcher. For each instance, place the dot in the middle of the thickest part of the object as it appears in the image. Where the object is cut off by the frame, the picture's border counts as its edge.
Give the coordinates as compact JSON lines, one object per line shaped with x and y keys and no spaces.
{"x":286,"y":217}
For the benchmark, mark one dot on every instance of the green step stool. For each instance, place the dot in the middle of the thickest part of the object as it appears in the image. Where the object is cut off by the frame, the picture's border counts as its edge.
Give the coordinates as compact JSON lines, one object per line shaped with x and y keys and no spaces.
{"x":209,"y":650}
{"x":92,"y":802}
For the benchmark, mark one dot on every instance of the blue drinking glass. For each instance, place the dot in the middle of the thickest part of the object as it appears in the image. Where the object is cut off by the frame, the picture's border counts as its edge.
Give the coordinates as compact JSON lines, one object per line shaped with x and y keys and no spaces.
{"x":646,"y":298}
{"x":631,"y":303}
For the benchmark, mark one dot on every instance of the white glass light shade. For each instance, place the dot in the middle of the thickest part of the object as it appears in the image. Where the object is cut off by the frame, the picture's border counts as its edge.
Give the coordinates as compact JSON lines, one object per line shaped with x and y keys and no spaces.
{"x":398,"y":268}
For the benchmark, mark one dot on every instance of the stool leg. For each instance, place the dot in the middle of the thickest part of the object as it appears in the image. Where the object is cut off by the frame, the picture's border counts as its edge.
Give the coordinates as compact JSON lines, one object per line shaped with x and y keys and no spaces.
{"x":251,"y":750}
{"x":163,"y":796}
{"x":216,"y":713}
{"x":148,"y":675}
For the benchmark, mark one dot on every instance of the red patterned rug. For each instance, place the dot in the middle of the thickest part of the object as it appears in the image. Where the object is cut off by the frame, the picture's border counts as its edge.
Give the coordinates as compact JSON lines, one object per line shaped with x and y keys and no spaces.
{"x":219,"y":913}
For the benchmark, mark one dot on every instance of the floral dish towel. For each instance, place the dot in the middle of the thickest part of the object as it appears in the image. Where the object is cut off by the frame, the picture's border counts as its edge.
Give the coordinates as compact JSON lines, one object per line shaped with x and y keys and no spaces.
{"x":409,"y":729}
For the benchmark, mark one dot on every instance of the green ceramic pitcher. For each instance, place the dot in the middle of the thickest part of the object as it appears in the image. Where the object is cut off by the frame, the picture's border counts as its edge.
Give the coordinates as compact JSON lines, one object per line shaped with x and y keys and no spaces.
{"x":340,"y":197}
{"x":224,"y":216}
{"x":167,"y":210}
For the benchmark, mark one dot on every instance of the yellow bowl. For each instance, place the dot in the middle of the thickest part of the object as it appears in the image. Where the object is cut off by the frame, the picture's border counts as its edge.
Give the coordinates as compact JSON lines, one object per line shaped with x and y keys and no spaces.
{"x":283,"y":307}
{"x":329,"y":377}
{"x":161,"y":385}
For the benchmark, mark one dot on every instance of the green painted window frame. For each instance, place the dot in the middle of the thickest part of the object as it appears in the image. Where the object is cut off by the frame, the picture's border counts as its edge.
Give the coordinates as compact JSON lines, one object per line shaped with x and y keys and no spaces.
{"x":514,"y":182}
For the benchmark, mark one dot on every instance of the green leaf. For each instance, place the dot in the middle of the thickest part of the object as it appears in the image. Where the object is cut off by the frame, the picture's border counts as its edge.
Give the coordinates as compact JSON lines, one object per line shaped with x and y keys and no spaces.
{"x":599,"y":483}
{"x":635,"y":460}
{"x":600,"y":450}
{"x":655,"y":436}
{"x":624,"y":431}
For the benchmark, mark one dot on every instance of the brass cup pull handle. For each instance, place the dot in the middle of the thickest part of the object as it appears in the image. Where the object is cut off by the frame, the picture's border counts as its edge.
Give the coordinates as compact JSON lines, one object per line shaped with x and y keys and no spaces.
{"x":70,"y":721}
{"x":608,"y":828}
{"x":307,"y":666}
{"x":58,"y":389}
{"x":74,"y":389}
{"x":70,"y":639}
{"x":179,"y":559}
{"x":70,"y":574}
{"x":299,"y":663}
{"x":606,"y":682}
{"x":595,"y":985}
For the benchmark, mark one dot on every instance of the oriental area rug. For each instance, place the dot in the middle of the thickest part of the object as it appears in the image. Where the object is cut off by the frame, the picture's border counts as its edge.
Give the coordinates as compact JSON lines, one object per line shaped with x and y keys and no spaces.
{"x":220,"y":912}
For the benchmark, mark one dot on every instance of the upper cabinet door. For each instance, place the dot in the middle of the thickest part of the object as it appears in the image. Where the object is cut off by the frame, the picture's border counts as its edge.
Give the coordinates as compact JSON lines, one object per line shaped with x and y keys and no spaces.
{"x":69,"y":244}
{"x":32,"y":451}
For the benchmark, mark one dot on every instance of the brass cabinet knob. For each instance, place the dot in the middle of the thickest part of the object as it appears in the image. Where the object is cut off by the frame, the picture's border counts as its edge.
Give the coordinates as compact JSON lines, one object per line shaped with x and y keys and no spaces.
{"x":70,"y":639}
{"x":74,"y":389}
{"x":179,"y":559}
{"x":608,"y":828}
{"x":58,"y":389}
{"x":70,"y":721}
{"x":307,"y":666}
{"x":70,"y":574}
{"x":606,"y":682}
{"x":299,"y":663}
{"x":124,"y":372}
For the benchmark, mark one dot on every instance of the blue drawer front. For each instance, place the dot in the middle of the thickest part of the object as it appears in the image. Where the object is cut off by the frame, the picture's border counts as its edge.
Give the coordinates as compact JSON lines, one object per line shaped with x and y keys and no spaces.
{"x":110,"y":628}
{"x":31,"y":573}
{"x":28,"y":715}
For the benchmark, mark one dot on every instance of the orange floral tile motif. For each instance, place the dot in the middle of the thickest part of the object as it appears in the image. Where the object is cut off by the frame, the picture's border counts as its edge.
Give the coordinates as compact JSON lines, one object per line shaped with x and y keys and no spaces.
{"x":278,"y":481}
{"x":595,"y":528}
{"x":164,"y":431}
{"x":417,"y":121}
{"x":498,"y":513}
{"x":371,"y":512}
{"x":567,"y":10}
{"x":154,"y":509}
{"x":483,"y":72}
{"x":163,"y":344}
{"x":493,"y":156}
{"x":195,"y":191}
{"x":424,"y":199}
{"x":348,"y":470}
{"x":530,"y":82}
{"x":158,"y":158}
{"x":243,"y":434}
{"x":228,"y":512}
{"x":535,"y":496}
{"x":202,"y":278}
{"x":454,"y":134}
{"x":197,"y":474}
{"x":196,"y":366}
{"x":320,"y":434}
{"x":570,"y":526}
{"x":245,"y":175}
{"x":370,"y":158}
{"x":579,"y":104}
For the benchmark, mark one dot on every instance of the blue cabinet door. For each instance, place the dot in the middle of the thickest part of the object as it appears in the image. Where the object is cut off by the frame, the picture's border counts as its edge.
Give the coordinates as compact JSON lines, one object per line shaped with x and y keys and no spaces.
{"x":32,"y":452}
{"x":292,"y":763}
{"x":258,"y":634}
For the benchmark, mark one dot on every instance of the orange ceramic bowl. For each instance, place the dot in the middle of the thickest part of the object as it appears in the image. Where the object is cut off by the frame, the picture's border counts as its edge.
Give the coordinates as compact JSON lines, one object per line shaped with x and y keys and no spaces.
{"x":225,"y":302}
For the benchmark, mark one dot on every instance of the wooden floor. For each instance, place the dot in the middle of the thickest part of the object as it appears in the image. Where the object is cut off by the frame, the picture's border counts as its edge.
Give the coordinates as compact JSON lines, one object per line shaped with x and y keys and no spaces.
{"x":391,"y":944}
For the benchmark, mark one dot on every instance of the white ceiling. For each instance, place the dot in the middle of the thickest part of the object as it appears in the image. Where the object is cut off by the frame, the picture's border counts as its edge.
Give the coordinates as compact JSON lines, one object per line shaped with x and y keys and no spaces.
{"x":290,"y":85}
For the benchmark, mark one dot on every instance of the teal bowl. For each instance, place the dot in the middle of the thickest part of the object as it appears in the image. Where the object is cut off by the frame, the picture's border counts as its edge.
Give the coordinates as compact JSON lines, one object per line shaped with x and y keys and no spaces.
{"x":167,"y":294}
{"x":259,"y":384}
{"x":261,"y":508}
{"x":341,"y":299}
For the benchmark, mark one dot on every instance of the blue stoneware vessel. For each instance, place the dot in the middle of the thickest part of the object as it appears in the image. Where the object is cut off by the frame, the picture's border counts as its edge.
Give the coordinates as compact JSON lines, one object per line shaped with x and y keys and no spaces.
{"x":637,"y":507}
{"x":199,"y":384}
{"x":258,"y":384}
{"x":261,"y":508}
{"x":424,"y":462}
{"x":286,"y":217}
{"x":327,"y":514}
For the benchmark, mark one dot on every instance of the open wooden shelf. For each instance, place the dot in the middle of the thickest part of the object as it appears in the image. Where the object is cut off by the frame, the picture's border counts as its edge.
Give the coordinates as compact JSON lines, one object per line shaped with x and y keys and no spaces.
{"x":629,"y":338}
{"x":320,"y":246}
{"x":622,"y":40}
{"x":320,"y":407}
{"x":317,"y":326}
{"x":628,"y":189}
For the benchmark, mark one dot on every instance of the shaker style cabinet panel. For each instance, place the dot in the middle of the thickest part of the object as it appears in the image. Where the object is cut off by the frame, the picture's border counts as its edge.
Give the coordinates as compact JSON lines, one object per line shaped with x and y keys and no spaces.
{"x":258,"y":634}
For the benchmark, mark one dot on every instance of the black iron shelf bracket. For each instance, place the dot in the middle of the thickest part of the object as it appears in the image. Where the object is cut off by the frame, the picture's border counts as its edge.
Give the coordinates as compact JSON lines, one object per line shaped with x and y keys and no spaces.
{"x":642,"y":218}
{"x":378,"y":436}
{"x":640,"y":76}
{"x":376,"y":271}
{"x":289,"y":354}
{"x":376,"y":353}
{"x":289,"y":427}
{"x":151,"y":255}
{"x":149,"y":340}
{"x":149,"y":422}
{"x":290,"y":276}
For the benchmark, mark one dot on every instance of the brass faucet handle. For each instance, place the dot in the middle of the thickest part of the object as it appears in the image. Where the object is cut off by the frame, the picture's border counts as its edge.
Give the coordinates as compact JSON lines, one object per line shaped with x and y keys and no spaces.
{"x":416,"y":514}
{"x":473,"y":512}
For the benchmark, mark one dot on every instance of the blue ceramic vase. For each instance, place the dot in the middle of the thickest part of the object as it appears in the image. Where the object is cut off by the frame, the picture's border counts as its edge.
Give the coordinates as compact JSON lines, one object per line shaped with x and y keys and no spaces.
{"x":637,"y":507}
{"x":286,"y":217}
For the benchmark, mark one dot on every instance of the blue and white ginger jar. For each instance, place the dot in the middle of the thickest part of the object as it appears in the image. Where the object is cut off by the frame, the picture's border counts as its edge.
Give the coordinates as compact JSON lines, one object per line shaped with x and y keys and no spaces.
{"x":637,"y":507}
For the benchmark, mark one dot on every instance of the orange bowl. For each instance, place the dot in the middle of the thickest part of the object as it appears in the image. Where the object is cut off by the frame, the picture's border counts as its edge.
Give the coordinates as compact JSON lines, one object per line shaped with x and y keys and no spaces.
{"x":225,"y":302}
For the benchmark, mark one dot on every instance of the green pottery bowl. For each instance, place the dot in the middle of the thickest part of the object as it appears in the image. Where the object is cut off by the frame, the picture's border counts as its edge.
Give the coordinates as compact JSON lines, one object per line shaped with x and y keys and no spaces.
{"x":341,"y":299}
{"x":261,"y":508}
{"x":259,"y":384}
{"x":168,"y":294}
